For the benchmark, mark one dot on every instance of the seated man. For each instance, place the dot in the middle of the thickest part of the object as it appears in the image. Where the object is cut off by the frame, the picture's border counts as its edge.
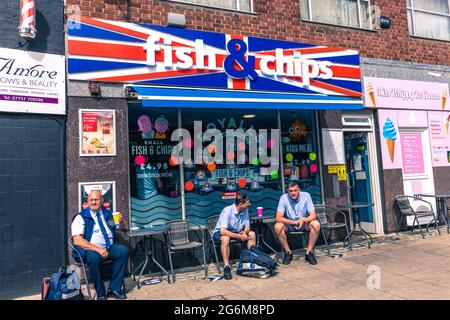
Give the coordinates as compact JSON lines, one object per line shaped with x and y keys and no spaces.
{"x":94,"y":233}
{"x":296,"y":212}
{"x":234,"y":223}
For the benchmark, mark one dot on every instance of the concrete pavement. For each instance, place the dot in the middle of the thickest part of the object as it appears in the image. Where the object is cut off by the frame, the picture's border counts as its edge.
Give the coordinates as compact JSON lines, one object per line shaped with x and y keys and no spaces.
{"x":395,"y":268}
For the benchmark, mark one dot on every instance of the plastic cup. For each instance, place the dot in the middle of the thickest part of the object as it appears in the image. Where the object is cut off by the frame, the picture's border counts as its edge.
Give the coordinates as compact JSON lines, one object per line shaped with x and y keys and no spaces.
{"x":116,"y":217}
{"x":259,"y":210}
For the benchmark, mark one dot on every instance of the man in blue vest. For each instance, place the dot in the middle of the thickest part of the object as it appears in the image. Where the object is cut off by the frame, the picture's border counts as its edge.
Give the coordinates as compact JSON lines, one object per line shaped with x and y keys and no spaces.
{"x":94,"y":235}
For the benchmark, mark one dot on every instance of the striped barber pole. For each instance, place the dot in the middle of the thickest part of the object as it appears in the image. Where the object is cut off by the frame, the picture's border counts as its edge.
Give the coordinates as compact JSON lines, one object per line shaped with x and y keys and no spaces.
{"x":27,"y":27}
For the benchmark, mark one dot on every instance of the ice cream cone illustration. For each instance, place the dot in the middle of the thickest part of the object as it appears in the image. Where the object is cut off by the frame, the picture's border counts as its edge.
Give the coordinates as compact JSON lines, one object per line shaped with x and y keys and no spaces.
{"x":447,"y":122}
{"x":390,"y":134}
{"x":371,"y":93}
{"x":444,"y":98}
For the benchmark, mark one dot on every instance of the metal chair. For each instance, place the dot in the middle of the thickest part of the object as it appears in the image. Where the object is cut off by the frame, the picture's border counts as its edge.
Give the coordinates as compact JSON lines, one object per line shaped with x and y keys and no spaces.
{"x":329,"y":220}
{"x":178,"y":239}
{"x":78,"y":261}
{"x":425,"y":209}
{"x":211,"y":223}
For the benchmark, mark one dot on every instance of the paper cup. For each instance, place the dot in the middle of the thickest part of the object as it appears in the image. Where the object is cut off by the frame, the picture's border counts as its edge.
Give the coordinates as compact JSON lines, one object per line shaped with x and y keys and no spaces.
{"x":259,"y":210}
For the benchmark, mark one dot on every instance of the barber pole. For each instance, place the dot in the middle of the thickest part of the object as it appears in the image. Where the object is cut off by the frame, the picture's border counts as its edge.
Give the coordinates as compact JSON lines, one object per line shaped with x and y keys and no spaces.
{"x":27,"y":27}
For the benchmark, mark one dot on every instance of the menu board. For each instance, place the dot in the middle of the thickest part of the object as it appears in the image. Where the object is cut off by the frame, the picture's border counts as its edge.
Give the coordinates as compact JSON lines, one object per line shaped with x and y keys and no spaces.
{"x":439,"y":138}
{"x":412,"y":153}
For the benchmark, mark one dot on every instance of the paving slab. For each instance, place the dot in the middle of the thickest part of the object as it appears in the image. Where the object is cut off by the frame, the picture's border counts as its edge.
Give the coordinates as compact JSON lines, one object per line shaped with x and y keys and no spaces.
{"x":409,"y":268}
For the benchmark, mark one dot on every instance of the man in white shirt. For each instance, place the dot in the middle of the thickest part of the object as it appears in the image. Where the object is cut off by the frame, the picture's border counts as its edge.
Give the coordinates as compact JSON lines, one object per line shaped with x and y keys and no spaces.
{"x":94,"y":233}
{"x":296,"y":212}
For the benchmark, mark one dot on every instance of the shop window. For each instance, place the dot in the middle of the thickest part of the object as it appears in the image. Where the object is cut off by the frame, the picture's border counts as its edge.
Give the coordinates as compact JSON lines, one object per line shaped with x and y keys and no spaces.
{"x":349,"y":13}
{"x":242,"y":159}
{"x":429,"y":18}
{"x":154,"y":179}
{"x":240,"y":5}
{"x":300,"y":151}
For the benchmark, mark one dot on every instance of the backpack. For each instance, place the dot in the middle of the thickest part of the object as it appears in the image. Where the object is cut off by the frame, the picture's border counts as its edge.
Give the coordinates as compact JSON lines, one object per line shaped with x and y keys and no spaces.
{"x":64,"y":285}
{"x":257,"y":264}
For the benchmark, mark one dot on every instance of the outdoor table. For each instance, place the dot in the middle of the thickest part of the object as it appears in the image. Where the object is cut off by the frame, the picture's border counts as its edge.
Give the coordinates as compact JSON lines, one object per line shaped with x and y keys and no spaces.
{"x":441,"y":209}
{"x":259,"y":222}
{"x":356,"y":219}
{"x":148,"y":233}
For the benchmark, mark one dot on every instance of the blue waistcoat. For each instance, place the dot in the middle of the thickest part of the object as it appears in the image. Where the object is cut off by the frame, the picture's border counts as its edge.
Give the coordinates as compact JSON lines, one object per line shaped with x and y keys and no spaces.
{"x":89,"y":226}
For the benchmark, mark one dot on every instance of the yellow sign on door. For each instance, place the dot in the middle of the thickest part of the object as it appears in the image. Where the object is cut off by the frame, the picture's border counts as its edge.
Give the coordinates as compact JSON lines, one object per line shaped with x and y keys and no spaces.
{"x":342,"y":174}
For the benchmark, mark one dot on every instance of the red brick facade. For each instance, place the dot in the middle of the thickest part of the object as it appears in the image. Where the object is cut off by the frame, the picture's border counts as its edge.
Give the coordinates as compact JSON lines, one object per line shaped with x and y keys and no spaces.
{"x":280,"y":19}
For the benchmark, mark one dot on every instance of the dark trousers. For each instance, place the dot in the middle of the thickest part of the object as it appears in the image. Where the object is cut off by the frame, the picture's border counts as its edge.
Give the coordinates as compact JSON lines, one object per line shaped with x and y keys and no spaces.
{"x":119,"y":254}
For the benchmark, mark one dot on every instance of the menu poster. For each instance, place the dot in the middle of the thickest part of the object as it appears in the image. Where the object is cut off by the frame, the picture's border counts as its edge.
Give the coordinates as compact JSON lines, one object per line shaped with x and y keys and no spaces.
{"x":333,"y":146}
{"x":107,"y":189}
{"x":412,"y":153}
{"x":439,"y":138}
{"x":97,"y":133}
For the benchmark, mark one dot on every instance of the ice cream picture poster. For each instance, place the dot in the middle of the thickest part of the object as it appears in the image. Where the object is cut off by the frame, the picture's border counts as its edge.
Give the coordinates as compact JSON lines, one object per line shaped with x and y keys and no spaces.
{"x":390,"y":142}
{"x":438,"y":124}
{"x":405,"y":94}
{"x":390,"y":134}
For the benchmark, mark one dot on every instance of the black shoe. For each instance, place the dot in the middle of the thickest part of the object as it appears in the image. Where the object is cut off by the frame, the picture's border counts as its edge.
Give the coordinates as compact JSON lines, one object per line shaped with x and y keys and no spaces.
{"x":227,"y":273}
{"x":287,"y":258}
{"x":116,"y":294}
{"x":310,"y":258}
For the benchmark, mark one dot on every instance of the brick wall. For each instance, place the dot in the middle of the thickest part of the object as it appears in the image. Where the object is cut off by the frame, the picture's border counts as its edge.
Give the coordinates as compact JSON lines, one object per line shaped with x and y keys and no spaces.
{"x":280,"y":19}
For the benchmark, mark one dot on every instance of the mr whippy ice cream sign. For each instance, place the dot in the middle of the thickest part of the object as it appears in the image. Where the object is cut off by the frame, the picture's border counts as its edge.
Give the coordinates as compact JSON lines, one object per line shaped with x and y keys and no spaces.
{"x":405,"y":94}
{"x":113,"y":51}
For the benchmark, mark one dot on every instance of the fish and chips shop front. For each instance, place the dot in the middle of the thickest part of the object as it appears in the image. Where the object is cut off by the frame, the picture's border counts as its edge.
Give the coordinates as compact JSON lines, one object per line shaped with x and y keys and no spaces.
{"x":199,"y":116}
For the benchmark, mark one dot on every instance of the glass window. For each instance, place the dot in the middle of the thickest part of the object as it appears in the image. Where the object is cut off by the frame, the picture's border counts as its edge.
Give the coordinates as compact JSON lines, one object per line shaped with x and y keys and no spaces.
{"x":240,"y":156}
{"x":300,"y":151}
{"x":154,"y":179}
{"x":429,"y":19}
{"x":240,"y":5}
{"x":350,"y":13}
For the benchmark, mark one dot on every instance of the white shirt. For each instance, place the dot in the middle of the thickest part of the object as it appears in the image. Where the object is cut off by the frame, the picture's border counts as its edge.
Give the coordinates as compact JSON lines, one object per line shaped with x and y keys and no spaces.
{"x":97,"y":236}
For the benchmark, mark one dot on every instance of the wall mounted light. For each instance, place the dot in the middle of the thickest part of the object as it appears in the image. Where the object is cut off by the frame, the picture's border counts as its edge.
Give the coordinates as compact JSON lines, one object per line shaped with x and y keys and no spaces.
{"x":176,"y":20}
{"x":249,"y":116}
{"x":94,"y":88}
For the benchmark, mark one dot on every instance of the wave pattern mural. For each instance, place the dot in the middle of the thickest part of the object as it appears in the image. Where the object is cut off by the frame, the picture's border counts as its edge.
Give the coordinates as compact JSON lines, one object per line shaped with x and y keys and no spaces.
{"x":199,"y":207}
{"x":157,"y":209}
{"x":160,"y":209}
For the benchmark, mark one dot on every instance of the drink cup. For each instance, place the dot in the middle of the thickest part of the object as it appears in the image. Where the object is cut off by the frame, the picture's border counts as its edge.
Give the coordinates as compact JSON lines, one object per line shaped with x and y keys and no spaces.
{"x":116,"y":217}
{"x":259,"y":210}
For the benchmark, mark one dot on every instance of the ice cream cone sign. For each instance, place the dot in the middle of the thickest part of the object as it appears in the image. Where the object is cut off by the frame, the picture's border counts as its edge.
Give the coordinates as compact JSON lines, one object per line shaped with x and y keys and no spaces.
{"x":371,"y":94}
{"x":447,"y":122}
{"x":390,"y":134}
{"x":444,"y":98}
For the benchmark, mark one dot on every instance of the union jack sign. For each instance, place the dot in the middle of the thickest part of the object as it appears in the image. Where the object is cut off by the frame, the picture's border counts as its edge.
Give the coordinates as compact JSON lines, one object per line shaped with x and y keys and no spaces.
{"x":142,"y":54}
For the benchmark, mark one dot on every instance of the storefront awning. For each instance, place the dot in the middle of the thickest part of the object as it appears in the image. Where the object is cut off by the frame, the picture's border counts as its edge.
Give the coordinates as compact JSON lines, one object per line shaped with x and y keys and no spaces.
{"x":152,"y":96}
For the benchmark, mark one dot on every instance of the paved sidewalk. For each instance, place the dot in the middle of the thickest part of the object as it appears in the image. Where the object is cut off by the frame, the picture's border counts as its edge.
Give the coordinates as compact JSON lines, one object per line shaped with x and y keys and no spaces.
{"x":409,"y":268}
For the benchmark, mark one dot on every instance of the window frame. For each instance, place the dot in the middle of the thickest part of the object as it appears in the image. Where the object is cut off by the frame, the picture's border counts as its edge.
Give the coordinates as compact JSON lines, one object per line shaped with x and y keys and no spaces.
{"x":360,"y":22}
{"x":237,"y":2}
{"x":411,"y":9}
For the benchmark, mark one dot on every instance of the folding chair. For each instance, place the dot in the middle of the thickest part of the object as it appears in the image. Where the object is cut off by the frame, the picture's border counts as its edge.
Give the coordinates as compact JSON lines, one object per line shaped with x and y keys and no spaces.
{"x":78,"y":261}
{"x":425,"y":209}
{"x":178,"y":239}
{"x":329,"y":220}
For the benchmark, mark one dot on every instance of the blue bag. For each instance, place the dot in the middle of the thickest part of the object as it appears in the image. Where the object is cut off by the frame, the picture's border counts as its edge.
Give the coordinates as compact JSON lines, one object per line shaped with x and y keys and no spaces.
{"x":64,"y":285}
{"x":257,"y":264}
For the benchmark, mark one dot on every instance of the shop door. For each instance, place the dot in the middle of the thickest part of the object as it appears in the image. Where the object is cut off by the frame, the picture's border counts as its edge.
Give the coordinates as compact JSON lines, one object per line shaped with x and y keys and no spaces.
{"x":358,"y":171}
